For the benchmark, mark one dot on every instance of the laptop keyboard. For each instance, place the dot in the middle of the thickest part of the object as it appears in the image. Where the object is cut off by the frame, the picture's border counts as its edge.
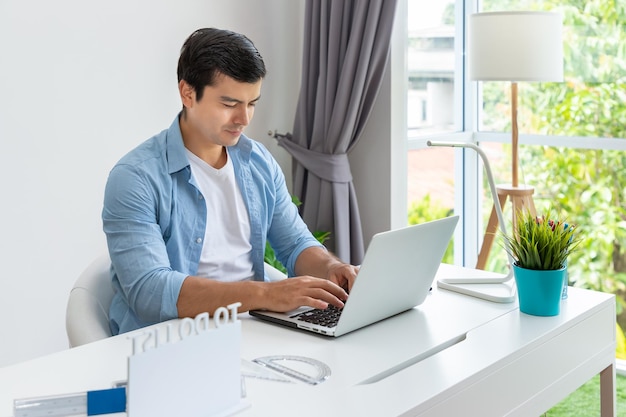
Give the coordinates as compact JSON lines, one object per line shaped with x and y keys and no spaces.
{"x":327,"y":318}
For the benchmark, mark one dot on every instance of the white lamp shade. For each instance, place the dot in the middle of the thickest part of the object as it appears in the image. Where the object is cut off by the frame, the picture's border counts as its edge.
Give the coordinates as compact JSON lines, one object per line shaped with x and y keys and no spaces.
{"x":516,"y":46}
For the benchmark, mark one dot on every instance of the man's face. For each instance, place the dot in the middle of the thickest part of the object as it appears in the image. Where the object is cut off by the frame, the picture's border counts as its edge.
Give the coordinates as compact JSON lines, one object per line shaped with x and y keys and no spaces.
{"x":222,"y":113}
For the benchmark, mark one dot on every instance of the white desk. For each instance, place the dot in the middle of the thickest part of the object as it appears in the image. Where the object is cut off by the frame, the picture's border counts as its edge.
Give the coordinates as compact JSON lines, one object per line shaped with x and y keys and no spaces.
{"x":454,"y":355}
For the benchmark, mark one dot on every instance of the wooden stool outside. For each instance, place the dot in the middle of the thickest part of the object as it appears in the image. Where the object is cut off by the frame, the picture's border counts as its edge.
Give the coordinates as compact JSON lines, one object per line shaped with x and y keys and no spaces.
{"x":521,"y":199}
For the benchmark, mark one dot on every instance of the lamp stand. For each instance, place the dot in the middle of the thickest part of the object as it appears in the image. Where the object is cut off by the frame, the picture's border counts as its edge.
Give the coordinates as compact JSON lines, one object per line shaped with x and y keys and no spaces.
{"x":488,"y":286}
{"x":521,"y":196}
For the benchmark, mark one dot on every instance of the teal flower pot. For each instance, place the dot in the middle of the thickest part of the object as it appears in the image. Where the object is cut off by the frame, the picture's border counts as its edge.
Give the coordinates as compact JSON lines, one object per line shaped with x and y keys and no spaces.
{"x":539,"y":292}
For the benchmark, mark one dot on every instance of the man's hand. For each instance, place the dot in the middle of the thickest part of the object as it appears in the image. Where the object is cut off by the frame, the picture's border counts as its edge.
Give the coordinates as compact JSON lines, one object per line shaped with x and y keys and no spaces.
{"x":292,"y":293}
{"x":343,"y":275}
{"x":318,"y":262}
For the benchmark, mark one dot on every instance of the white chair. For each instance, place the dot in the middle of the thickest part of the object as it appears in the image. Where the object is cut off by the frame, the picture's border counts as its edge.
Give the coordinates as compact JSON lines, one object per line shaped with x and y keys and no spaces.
{"x":87,"y":314}
{"x":273,"y":274}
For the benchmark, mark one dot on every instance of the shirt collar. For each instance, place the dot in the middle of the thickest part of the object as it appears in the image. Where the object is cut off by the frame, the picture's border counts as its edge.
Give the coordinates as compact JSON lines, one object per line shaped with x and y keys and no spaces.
{"x":176,"y":157}
{"x":176,"y":154}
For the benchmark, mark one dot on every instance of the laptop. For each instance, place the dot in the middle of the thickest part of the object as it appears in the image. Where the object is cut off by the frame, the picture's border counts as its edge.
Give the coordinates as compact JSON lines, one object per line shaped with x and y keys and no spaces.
{"x":396,"y":275}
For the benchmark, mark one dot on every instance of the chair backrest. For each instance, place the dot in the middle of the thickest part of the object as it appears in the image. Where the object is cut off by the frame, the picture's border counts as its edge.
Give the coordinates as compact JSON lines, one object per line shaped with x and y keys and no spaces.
{"x":87,"y":314}
{"x":273,"y":274}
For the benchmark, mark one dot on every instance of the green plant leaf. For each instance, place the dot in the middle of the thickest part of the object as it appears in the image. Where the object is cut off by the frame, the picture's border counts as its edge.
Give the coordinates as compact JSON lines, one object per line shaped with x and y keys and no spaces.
{"x":543,"y":242}
{"x":270,"y":255}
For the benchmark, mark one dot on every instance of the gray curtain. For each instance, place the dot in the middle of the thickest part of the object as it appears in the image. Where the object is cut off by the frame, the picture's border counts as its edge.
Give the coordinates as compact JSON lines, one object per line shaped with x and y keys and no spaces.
{"x":346,"y":46}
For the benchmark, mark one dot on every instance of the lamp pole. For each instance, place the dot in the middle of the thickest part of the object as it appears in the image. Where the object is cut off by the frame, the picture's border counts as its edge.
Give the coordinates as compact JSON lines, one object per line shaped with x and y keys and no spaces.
{"x":515,"y":136}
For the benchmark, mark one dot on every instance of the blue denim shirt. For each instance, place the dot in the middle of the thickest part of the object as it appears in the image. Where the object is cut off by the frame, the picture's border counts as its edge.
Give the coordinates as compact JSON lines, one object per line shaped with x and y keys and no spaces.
{"x":154,"y":218}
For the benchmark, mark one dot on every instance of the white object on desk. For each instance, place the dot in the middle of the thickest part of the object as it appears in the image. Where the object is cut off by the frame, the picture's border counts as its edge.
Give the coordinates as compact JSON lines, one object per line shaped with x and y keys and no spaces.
{"x":489,"y":286}
{"x":199,"y":375}
{"x":53,"y":406}
{"x":316,"y":372}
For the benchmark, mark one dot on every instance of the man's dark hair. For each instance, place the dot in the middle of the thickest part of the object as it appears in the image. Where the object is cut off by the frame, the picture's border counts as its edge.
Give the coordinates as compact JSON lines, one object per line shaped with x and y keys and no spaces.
{"x":209,"y":52}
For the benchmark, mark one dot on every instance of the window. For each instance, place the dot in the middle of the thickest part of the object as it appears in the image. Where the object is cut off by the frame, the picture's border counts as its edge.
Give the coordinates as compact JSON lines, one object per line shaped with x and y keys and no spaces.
{"x":431,"y":67}
{"x":433,"y":108}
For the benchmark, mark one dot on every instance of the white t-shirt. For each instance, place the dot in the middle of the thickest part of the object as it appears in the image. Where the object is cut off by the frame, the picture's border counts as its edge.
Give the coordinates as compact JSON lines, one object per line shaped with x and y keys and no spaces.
{"x":226,"y":251}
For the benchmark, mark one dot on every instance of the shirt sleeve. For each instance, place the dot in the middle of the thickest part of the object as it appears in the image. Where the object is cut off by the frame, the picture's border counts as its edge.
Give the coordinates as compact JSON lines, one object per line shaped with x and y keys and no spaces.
{"x":140,"y":261}
{"x":288,"y":234}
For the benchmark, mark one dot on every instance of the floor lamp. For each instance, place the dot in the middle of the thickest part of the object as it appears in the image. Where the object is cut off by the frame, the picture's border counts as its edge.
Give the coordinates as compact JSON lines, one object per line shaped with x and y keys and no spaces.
{"x":513,"y":46}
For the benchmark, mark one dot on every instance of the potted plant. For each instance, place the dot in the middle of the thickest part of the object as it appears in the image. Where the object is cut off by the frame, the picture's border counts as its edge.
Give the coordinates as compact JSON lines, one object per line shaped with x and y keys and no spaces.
{"x":540,"y":247}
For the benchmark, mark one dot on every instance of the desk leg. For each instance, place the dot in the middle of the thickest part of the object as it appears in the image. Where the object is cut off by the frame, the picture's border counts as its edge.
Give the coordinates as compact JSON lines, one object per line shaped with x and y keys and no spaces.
{"x":607,"y":392}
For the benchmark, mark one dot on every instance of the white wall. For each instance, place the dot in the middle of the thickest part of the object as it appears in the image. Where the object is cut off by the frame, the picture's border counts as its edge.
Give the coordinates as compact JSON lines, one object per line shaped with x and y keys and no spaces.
{"x":81,"y":83}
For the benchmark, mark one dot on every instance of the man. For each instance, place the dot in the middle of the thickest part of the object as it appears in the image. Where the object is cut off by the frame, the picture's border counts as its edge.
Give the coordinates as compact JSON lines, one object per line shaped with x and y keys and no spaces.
{"x":187,"y":213}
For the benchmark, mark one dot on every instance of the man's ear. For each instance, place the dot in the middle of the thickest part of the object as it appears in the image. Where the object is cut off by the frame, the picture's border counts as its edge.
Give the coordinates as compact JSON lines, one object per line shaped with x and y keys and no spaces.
{"x":187,"y":94}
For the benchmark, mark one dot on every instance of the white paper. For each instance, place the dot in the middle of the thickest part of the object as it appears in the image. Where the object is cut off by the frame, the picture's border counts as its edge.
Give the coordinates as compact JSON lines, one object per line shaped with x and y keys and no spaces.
{"x":197,"y":376}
